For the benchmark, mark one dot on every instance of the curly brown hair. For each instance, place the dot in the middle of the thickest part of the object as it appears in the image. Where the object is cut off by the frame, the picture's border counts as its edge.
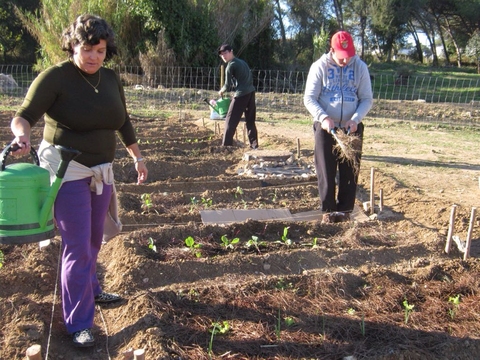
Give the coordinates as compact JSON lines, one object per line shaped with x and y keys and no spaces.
{"x":89,"y":29}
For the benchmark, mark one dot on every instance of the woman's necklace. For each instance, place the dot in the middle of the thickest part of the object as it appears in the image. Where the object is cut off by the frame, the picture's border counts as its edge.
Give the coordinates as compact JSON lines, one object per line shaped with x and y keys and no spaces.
{"x":89,"y":83}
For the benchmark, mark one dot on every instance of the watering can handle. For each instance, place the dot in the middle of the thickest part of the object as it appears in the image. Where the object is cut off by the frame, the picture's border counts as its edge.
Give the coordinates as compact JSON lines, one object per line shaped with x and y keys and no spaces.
{"x":15,"y":147}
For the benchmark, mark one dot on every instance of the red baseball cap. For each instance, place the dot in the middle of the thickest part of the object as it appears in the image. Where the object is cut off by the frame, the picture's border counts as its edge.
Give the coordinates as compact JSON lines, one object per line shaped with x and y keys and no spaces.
{"x":342,"y":43}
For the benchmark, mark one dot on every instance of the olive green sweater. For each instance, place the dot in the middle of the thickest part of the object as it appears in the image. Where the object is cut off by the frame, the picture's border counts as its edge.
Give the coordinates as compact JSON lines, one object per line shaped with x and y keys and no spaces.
{"x":239,"y":75}
{"x":76,"y":116}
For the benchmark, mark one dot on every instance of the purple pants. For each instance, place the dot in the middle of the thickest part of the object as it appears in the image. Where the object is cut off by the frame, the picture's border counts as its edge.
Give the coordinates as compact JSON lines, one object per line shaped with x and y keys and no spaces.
{"x":80,"y":215}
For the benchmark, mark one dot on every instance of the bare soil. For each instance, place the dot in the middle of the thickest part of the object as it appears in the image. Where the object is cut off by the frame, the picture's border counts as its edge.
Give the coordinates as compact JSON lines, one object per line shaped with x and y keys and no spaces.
{"x":332,"y":291}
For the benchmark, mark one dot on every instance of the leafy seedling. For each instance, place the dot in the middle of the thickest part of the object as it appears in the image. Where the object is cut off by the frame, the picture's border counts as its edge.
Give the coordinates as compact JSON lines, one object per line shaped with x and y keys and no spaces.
{"x":220,"y":329}
{"x":228,"y":244}
{"x":455,"y":301}
{"x":2,"y":259}
{"x":289,"y":321}
{"x":407,"y":309}
{"x":285,"y":240}
{"x":193,"y":246}
{"x":151,"y":245}
{"x":238,"y":191}
{"x":255,"y":243}
{"x":193,"y":204}
{"x":207,"y":203}
{"x":147,"y":203}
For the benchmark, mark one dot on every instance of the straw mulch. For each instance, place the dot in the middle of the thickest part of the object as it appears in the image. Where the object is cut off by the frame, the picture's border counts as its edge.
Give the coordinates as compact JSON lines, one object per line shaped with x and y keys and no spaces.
{"x":348,"y":147}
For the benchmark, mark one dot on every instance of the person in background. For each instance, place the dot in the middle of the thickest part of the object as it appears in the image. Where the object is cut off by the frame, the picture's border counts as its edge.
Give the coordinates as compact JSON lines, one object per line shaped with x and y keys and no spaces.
{"x":338,"y":95}
{"x":239,"y":75}
{"x":84,"y":107}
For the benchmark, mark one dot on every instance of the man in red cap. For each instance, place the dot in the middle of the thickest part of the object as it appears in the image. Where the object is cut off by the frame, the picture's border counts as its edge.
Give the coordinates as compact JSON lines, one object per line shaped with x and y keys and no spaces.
{"x":338,"y":95}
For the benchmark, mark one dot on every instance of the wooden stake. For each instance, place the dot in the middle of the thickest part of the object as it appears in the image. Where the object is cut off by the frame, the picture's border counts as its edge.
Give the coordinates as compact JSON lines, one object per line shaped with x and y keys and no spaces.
{"x":34,"y":352}
{"x":469,"y":234}
{"x":245,"y":134}
{"x":139,"y":354}
{"x":380,"y":204}
{"x":451,"y":227}
{"x":372,"y":191}
{"x":298,"y":148}
{"x":128,"y":354}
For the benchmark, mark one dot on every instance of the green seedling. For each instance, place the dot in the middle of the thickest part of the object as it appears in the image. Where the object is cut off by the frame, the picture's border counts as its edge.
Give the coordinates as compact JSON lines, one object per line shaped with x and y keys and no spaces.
{"x":238,"y":191}
{"x":218,"y":328}
{"x":147,"y":201}
{"x":228,"y":244}
{"x":2,"y":259}
{"x":278,"y":326}
{"x":455,"y":301}
{"x":282,"y":285}
{"x":193,"y":246}
{"x":351,"y":311}
{"x":274,"y":195}
{"x":255,"y":243}
{"x":289,"y":321}
{"x":193,"y":204}
{"x":151,"y":245}
{"x":285,"y":240}
{"x":407,"y":310}
{"x":207,"y":203}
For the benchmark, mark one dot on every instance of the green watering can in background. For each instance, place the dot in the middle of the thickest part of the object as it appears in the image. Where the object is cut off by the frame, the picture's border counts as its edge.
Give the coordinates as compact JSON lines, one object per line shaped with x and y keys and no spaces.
{"x":221,"y":105}
{"x":26,"y":197}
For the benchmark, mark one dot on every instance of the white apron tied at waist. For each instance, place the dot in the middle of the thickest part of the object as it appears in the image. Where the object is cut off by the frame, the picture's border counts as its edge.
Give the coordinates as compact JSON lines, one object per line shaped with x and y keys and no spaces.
{"x":50,"y":159}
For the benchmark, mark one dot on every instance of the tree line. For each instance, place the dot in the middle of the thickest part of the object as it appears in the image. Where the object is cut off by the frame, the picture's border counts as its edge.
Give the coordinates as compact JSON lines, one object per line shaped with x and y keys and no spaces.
{"x":269,"y":34}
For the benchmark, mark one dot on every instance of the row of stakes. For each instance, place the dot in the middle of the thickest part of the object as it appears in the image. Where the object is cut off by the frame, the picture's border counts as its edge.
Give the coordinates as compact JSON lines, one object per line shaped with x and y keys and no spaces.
{"x":463,"y":246}
{"x":34,"y":352}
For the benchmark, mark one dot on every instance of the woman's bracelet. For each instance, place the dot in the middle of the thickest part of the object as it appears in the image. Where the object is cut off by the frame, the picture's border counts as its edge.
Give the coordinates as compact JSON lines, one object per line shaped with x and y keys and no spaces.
{"x":138,"y":160}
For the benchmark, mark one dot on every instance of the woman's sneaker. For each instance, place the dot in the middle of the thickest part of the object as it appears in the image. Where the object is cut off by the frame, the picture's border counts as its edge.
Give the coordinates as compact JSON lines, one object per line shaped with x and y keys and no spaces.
{"x":83,"y":338}
{"x":106,"y":298}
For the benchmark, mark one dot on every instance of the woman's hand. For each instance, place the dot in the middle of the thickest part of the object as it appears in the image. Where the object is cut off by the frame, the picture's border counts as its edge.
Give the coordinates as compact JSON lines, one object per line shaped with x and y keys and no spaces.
{"x":24,"y":145}
{"x":142,"y":171}
{"x":21,"y":130}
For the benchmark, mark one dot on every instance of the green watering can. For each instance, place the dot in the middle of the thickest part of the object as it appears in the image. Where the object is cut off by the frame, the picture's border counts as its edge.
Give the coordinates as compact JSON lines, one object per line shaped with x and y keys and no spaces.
{"x":26,"y":197}
{"x":221,"y":106}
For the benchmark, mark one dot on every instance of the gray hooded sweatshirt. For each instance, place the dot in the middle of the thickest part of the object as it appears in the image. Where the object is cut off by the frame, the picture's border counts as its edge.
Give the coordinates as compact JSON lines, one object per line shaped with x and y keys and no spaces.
{"x":341,"y":93}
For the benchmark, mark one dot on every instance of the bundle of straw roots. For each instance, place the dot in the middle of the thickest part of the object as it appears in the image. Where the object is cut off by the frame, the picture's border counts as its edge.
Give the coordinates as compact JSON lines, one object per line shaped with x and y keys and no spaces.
{"x":348,"y":147}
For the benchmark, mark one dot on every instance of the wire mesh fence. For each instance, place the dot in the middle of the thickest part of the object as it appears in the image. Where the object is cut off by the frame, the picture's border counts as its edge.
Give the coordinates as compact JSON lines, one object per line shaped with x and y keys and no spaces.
{"x":149,"y":90}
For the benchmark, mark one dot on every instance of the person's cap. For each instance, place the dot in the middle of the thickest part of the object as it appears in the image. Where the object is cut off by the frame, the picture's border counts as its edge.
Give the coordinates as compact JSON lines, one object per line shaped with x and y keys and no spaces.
{"x":342,"y":43}
{"x":224,"y":47}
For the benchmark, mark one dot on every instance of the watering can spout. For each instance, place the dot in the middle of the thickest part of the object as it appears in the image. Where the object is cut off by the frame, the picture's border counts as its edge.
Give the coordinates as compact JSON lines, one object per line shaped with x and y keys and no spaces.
{"x":66,"y":155}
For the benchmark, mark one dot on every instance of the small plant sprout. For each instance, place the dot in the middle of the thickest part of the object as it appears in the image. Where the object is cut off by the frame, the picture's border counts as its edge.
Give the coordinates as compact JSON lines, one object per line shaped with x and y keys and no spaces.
{"x":407,"y":309}
{"x":362,"y":325}
{"x":351,"y":311}
{"x":147,"y":203}
{"x":285,"y":240}
{"x":193,"y":204}
{"x":455,"y":303}
{"x":255,"y":243}
{"x":207,"y":203}
{"x":193,"y":246}
{"x":217,"y":328}
{"x":228,"y":244}
{"x":151,"y":245}
{"x":278,"y":326}
{"x":2,"y":259}
{"x":289,"y":321}
{"x":238,"y":191}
